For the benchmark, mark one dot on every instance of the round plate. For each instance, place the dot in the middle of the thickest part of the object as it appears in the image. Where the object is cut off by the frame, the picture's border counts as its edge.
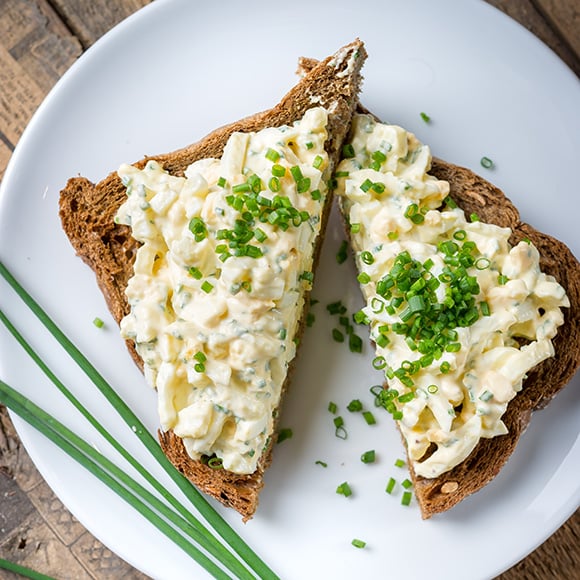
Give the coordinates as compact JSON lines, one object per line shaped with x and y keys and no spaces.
{"x":167,"y":76}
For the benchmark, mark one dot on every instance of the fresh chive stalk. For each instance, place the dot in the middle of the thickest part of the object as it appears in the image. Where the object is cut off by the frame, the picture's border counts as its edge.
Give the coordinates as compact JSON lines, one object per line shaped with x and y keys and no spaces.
{"x":123,"y":485}
{"x":23,"y":570}
{"x":193,"y":495}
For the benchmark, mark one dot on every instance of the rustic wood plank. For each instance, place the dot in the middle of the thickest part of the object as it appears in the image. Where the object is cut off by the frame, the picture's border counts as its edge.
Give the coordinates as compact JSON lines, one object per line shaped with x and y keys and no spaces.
{"x":526,"y":13}
{"x":565,"y":18}
{"x":88,"y":21}
{"x":37,"y":40}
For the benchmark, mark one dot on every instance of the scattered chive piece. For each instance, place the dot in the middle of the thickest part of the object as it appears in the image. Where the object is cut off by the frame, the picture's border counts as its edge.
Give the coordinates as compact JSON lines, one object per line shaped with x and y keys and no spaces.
{"x":407,"y":483}
{"x":486,"y":162}
{"x":322,"y":463}
{"x":332,"y":407}
{"x":406,"y":499}
{"x":344,"y":489}
{"x":354,"y":406}
{"x":501,"y":279}
{"x":355,"y":343}
{"x":473,"y":218}
{"x":368,"y":456}
{"x":337,"y":335}
{"x":425,"y":117}
{"x":316,"y":195}
{"x":355,"y":228}
{"x":284,"y":434}
{"x":98,"y":322}
{"x":390,"y":485}
{"x":222,"y":182}
{"x":309,"y":145}
{"x":363,"y":278}
{"x":341,"y":255}
{"x":358,"y":543}
{"x":400,"y":463}
{"x":369,"y":418}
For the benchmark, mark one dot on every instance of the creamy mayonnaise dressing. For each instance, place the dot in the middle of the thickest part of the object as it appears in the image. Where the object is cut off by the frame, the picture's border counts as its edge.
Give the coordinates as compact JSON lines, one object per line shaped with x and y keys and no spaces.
{"x":219,"y":282}
{"x":445,"y":396}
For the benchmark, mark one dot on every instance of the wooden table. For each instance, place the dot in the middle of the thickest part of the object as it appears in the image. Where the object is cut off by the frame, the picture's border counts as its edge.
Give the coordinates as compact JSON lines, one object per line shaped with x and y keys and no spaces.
{"x":39,"y":40}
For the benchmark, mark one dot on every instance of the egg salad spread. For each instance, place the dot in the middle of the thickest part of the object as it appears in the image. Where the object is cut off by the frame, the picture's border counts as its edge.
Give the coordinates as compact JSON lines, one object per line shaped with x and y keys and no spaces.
{"x":458,"y":316}
{"x":220,"y":280}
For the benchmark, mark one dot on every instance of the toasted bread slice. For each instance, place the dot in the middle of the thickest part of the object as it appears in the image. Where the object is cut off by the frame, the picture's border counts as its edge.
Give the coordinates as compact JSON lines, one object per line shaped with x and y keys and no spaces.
{"x":87,"y":214}
{"x":476,"y":195}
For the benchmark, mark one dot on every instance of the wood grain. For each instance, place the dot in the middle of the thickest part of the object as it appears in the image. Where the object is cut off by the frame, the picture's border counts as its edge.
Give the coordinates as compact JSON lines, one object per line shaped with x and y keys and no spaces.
{"x":39,"y":41}
{"x":565,"y":18}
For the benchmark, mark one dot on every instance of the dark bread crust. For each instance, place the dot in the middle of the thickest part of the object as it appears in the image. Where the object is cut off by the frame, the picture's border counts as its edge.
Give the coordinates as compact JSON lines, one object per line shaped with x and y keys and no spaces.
{"x":87,"y":211}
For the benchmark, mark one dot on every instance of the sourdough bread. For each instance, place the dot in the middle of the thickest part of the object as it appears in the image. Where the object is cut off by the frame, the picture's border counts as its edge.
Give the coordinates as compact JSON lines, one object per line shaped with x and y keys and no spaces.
{"x":87,"y":212}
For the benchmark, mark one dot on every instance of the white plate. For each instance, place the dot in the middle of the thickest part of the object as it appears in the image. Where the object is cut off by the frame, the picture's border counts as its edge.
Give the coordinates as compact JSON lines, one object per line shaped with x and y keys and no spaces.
{"x":164,"y":78}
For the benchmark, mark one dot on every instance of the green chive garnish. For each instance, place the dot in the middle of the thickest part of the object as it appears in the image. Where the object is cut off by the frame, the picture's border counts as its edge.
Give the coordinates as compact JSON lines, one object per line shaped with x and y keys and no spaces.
{"x":98,"y":322}
{"x":344,"y":489}
{"x":358,"y":543}
{"x":368,"y":456}
{"x":486,"y":162}
{"x":284,"y":434}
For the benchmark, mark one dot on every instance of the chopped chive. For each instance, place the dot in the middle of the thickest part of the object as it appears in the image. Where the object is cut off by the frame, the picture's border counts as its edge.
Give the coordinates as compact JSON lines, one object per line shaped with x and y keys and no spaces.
{"x":400,"y":463}
{"x":344,"y":489}
{"x":407,"y":483}
{"x":355,"y":228}
{"x":337,"y":335}
{"x":309,"y":145}
{"x":272,"y":155}
{"x":195,"y":273}
{"x":363,"y":278}
{"x":368,"y":456}
{"x":406,"y":499}
{"x":366,"y":185}
{"x":322,"y":463}
{"x":342,"y":254}
{"x":207,"y":287}
{"x":425,"y":117}
{"x":98,"y":322}
{"x":355,"y":343}
{"x":316,"y":195}
{"x":390,"y":485}
{"x":222,"y":182}
{"x":348,"y":151}
{"x":284,"y":434}
{"x":486,"y":162}
{"x":358,"y":543}
{"x":369,"y":418}
{"x":318,"y":160}
{"x":332,"y":407}
{"x":278,"y":170}
{"x":355,"y":406}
